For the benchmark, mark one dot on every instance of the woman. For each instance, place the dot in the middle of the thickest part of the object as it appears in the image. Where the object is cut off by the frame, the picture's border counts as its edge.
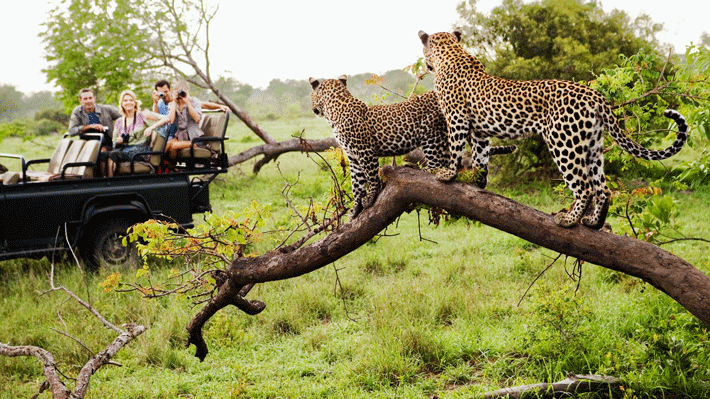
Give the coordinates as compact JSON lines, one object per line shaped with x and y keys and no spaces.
{"x":130,"y":135}
{"x":185,"y":112}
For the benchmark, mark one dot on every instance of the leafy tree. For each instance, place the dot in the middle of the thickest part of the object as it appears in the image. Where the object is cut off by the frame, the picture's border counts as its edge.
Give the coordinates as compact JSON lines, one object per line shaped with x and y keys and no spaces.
{"x":98,"y":44}
{"x":10,"y":102}
{"x":553,"y":39}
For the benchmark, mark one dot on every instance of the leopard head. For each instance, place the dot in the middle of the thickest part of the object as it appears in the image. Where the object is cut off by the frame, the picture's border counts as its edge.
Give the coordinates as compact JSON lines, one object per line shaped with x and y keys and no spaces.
{"x":435,"y":42}
{"x":325,"y":91}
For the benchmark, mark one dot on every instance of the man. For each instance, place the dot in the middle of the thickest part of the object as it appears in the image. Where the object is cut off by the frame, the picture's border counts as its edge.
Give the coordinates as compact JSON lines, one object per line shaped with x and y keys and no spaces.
{"x":163,"y":96}
{"x":90,"y":117}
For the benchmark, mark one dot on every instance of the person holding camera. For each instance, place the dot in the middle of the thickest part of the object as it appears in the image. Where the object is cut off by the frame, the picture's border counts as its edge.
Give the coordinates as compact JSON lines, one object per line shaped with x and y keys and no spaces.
{"x":185,"y":112}
{"x":130,"y":133}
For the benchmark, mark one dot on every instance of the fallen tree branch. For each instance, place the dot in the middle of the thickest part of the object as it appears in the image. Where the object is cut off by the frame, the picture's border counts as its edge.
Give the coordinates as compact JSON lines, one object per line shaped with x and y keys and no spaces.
{"x":53,"y":381}
{"x":404,"y":186}
{"x":271,"y":151}
{"x":573,"y":384}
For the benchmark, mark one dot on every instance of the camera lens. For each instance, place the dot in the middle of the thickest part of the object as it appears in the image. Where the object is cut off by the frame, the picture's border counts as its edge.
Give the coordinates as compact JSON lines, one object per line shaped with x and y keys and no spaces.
{"x":162,"y":95}
{"x":181,"y":93}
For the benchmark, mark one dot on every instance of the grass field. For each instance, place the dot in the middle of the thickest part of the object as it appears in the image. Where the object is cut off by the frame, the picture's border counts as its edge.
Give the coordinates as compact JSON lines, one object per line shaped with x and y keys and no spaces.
{"x":410,"y":318}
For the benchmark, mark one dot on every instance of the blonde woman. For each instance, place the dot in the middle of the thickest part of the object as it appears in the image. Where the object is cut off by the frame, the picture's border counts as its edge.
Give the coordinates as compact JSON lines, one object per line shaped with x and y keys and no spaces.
{"x":185,"y":112}
{"x":130,"y":135}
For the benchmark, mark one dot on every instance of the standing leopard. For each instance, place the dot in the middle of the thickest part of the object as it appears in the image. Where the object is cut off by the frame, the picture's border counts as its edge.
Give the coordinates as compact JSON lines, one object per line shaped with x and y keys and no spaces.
{"x":367,"y":133}
{"x":570,"y":117}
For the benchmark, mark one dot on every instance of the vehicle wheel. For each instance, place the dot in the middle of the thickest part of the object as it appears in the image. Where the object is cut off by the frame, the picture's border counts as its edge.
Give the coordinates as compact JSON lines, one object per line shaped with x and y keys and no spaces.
{"x":104,"y":246}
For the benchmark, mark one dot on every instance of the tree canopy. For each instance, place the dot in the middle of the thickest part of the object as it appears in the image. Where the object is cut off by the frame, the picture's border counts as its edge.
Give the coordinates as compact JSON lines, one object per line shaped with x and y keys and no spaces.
{"x":546,"y":39}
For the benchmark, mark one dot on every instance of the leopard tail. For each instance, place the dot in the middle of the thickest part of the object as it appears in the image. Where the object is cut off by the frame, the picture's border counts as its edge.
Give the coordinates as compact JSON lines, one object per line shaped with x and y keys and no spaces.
{"x":638,"y":151}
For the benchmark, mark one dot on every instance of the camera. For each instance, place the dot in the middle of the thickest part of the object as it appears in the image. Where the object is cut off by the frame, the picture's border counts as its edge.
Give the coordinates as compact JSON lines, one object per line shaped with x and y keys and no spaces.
{"x":125,"y":138}
{"x":161,"y":95}
{"x":182,"y":93}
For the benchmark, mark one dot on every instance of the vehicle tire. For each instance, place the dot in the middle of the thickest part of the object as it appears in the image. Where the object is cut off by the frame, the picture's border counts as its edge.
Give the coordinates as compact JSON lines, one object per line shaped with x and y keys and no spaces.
{"x":104,"y":247}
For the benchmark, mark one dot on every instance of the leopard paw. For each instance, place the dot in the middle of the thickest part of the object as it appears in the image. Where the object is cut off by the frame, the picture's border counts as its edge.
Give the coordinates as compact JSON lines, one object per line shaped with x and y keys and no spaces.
{"x":369,"y":200}
{"x":446,"y":175}
{"x":563,"y":219}
{"x":355,"y":211}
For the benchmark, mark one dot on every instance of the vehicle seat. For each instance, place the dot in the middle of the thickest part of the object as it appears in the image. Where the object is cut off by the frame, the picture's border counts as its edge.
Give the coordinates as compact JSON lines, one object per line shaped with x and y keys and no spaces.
{"x":214,"y":127}
{"x":157,"y":148}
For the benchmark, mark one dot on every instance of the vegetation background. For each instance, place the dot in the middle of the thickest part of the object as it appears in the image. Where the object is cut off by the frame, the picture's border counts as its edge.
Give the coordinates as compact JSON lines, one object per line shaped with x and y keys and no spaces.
{"x":425,"y":310}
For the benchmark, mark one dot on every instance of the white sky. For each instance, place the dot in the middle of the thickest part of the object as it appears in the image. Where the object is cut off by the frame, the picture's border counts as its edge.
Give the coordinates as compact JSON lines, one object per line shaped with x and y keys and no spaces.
{"x":256,"y":41}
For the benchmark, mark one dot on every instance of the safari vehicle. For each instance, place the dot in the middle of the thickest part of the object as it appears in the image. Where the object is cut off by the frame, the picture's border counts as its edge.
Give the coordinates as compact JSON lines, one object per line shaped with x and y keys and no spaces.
{"x":66,"y":207}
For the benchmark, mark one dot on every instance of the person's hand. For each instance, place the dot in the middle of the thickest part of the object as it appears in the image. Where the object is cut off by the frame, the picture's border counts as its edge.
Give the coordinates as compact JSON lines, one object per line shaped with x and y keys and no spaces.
{"x":119,"y":140}
{"x":148,"y":131}
{"x":156,"y":96}
{"x":94,"y":126}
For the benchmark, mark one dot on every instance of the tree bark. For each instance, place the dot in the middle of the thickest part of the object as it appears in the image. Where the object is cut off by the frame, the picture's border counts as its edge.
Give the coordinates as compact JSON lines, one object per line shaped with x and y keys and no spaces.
{"x":404,"y":186}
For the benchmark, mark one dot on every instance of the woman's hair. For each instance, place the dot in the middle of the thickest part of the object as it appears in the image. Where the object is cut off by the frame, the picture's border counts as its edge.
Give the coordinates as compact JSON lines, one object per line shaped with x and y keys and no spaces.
{"x":182,"y":85}
{"x":129,"y":93}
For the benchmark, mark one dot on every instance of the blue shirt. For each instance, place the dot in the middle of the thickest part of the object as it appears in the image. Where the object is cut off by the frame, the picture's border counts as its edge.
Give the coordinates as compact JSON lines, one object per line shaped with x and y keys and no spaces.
{"x":163,"y":110}
{"x":93,"y":118}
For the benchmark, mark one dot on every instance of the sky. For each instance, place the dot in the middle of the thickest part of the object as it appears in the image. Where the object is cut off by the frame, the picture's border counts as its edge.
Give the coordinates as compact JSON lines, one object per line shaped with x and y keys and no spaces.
{"x":257,"y":41}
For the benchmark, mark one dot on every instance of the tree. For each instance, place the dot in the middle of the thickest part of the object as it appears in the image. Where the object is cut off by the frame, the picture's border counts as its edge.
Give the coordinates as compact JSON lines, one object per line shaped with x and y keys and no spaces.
{"x":53,"y":383}
{"x":10,"y":102}
{"x":405,"y":187}
{"x":546,"y":39}
{"x":95,"y":44}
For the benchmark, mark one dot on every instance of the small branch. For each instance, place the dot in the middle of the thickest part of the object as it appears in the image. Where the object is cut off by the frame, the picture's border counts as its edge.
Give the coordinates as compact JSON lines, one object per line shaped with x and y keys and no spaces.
{"x":573,"y":384}
{"x":683,"y":239}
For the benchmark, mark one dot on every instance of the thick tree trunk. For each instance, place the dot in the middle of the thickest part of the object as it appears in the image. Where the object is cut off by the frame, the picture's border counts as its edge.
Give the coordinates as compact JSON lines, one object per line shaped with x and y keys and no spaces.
{"x":404,"y":186}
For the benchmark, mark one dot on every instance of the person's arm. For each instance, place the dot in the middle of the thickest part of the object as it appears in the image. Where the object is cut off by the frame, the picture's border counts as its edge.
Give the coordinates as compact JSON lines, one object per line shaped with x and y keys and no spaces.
{"x":171,"y":111}
{"x":151,"y":116}
{"x":75,"y":123}
{"x":214,"y":106}
{"x":194,"y":112}
{"x":149,"y":130}
{"x":156,"y":98}
{"x":114,"y":112}
{"x":117,"y":139}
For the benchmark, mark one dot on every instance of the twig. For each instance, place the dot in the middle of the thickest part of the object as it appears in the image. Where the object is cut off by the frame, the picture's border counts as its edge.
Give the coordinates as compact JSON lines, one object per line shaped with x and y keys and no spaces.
{"x":537,"y":278}
{"x":683,"y":239}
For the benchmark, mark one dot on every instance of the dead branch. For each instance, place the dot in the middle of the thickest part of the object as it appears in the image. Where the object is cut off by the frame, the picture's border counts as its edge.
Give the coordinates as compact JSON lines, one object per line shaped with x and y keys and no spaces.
{"x":674,"y":276}
{"x":573,"y":384}
{"x":271,"y":151}
{"x":54,"y":383}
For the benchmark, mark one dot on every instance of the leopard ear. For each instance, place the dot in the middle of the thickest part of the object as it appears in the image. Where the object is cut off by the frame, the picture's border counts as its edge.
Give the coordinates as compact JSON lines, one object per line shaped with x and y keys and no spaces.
{"x":458,"y":32}
{"x":424,"y":37}
{"x":314,"y":83}
{"x":343,"y":79}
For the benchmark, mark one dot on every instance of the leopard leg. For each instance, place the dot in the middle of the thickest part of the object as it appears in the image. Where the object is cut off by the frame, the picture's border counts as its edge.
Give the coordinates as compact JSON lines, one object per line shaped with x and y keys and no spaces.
{"x":458,"y":132}
{"x":434,"y":154}
{"x":574,"y":173}
{"x":480,"y":153}
{"x":596,"y":216}
{"x":358,"y":182}
{"x":371,"y":169}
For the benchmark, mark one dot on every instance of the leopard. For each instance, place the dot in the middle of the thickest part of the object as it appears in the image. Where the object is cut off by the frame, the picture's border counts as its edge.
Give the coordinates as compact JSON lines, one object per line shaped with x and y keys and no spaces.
{"x":369,"y":132}
{"x":571,"y":118}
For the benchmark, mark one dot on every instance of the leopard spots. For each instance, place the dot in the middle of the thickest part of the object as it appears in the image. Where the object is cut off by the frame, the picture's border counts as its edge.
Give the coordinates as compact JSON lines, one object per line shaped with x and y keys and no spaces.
{"x":570,"y":117}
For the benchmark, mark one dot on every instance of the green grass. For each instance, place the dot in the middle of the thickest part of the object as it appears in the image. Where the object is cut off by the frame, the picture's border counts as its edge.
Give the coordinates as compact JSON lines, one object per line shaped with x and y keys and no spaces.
{"x":413,"y":319}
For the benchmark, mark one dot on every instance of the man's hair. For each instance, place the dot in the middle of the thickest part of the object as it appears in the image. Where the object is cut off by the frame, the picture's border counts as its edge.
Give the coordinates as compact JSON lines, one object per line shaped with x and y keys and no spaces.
{"x":161,"y":83}
{"x":86,"y":90}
